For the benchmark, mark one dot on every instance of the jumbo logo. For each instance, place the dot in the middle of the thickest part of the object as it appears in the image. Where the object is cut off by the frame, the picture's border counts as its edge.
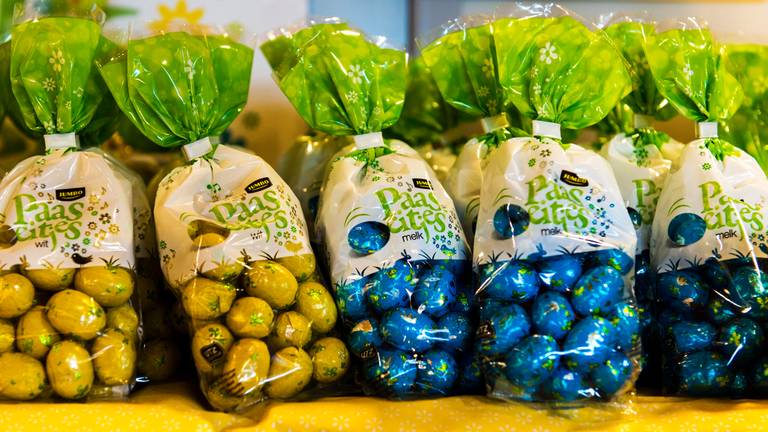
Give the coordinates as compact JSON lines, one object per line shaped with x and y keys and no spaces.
{"x":259,"y":185}
{"x":71,"y":194}
{"x":573,"y":179}
{"x":421,"y":183}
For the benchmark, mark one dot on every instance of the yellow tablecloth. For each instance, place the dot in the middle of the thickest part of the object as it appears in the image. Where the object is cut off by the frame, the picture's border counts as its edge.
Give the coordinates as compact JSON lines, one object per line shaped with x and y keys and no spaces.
{"x":177,"y":407}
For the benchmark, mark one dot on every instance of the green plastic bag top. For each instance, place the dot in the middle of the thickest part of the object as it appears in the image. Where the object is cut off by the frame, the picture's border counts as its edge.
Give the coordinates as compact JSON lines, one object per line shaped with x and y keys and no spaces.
{"x":178,"y":88}
{"x":425,"y":116}
{"x":557,"y":70}
{"x":690,"y":71}
{"x":341,"y":83}
{"x":463,"y":64}
{"x":645,"y":98}
{"x":747,"y":128}
{"x":53,"y":73}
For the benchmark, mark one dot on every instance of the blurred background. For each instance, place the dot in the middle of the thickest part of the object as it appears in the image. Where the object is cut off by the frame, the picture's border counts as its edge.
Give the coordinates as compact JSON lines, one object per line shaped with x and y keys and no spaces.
{"x":269,"y":124}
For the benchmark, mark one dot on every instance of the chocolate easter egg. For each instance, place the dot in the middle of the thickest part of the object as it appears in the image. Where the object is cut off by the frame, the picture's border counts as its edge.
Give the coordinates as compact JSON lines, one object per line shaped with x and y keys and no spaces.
{"x":560,"y":273}
{"x":368,"y":237}
{"x":682,"y":291}
{"x":750,"y":288}
{"x":597,"y":289}
{"x":350,"y":299}
{"x":687,"y":336}
{"x":510,"y":220}
{"x":470,"y":380}
{"x":437,"y":373}
{"x":565,"y":385}
{"x":391,"y":287}
{"x":435,"y":292}
{"x":625,"y":317}
{"x":392,"y":372}
{"x":614,"y":258}
{"x":509,"y":280}
{"x":758,"y":376}
{"x":704,"y":373}
{"x":457,"y":333}
{"x":502,"y":330}
{"x":741,"y":340}
{"x":589,"y":343}
{"x":720,"y":310}
{"x":408,"y":330}
{"x":364,"y":338}
{"x":612,"y":374}
{"x":532,"y":360}
{"x":686,"y":229}
{"x":552,"y":315}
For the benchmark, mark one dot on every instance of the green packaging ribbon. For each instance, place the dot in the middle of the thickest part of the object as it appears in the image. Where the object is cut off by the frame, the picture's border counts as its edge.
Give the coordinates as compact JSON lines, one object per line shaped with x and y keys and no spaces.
{"x":340,"y":82}
{"x":53,"y":73}
{"x":177,"y":88}
{"x":557,"y":70}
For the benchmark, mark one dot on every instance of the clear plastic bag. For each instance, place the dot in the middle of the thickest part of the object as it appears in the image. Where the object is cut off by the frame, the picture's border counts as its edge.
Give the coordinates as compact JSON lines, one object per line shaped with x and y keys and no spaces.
{"x":707,"y":238}
{"x":554,"y":244}
{"x":397,"y":256}
{"x":641,"y":157}
{"x":69,"y":322}
{"x":232,"y":239}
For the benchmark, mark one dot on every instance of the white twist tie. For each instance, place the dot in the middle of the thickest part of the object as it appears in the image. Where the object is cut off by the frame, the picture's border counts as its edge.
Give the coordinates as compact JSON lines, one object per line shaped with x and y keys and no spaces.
{"x":491,"y":124}
{"x":197,"y":148}
{"x":369,"y":140}
{"x":61,"y":141}
{"x":546,"y":129}
{"x":706,"y":129}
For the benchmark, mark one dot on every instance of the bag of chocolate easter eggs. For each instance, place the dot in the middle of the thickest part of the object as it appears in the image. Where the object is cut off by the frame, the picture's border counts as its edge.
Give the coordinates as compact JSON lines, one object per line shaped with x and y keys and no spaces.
{"x":232,"y":239}
{"x":554,"y":246}
{"x":747,"y":128}
{"x":463,"y":62}
{"x":641,"y":157}
{"x":68,"y":315}
{"x":707,"y":239}
{"x":397,"y":255}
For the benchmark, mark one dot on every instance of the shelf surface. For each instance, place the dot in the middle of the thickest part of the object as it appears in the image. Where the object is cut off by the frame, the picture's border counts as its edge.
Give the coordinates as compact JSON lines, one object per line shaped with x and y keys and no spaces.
{"x":177,"y":407}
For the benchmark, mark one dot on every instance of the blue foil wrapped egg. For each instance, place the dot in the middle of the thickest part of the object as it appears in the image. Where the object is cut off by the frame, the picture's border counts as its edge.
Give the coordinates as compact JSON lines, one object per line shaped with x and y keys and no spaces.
{"x":364,"y":338}
{"x":408,"y":330}
{"x":552,"y":315}
{"x":454,"y":331}
{"x":502,"y":330}
{"x":532,"y":361}
{"x":597,"y":289}
{"x":739,"y":385}
{"x":611,"y":375}
{"x":366,"y":238}
{"x":720,"y":310}
{"x":565,"y":385}
{"x":682,"y":291}
{"x":589,"y":343}
{"x":750,"y":288}
{"x":626,"y":318}
{"x":350,"y":299}
{"x":510,"y":281}
{"x":614,"y":258}
{"x":741,"y":340}
{"x":435,"y":292}
{"x":686,"y":229}
{"x":560,"y":273}
{"x":463,"y":303}
{"x":437,"y":373}
{"x":704,"y":373}
{"x":489,"y":306}
{"x":715,"y":273}
{"x":510,"y":220}
{"x":391,"y":287}
{"x":687,"y":336}
{"x":391,"y":371}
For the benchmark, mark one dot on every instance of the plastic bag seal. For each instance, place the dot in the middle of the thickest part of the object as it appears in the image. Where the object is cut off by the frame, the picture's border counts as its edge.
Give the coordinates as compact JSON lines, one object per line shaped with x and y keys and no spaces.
{"x":199,"y":148}
{"x":706,"y":130}
{"x":545,"y":129}
{"x":61,"y":141}
{"x":369,"y":140}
